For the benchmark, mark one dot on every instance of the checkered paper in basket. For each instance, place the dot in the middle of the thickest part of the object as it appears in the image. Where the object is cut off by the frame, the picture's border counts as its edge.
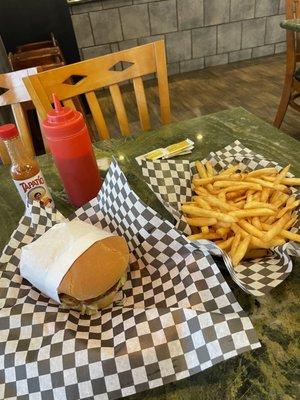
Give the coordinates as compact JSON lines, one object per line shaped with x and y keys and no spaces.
{"x":174,"y":317}
{"x":171,"y":181}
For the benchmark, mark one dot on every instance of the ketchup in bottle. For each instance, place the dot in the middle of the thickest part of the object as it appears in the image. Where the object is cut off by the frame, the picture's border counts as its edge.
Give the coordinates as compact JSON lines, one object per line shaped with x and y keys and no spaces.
{"x":71,"y":147}
{"x":25,"y":170}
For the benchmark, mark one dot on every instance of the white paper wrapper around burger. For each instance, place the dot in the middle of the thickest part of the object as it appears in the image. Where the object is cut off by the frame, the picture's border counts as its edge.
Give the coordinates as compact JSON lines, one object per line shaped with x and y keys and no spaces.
{"x":45,"y":261}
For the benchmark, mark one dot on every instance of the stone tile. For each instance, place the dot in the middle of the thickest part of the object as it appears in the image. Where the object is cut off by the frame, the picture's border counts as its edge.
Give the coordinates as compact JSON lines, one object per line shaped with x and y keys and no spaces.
{"x":216,"y":12}
{"x":106,"y":26}
{"x":266,"y":7}
{"x":144,"y":1}
{"x":280,"y":47}
{"x":282,"y":7}
{"x":87,"y":7}
{"x":263,"y":51}
{"x":218,"y":59}
{"x":274,"y":33}
{"x":127,"y":44}
{"x":179,"y":46}
{"x":163,"y":17}
{"x":83,"y":30}
{"x":190,"y":13}
{"x":253,"y":32}
{"x":204,"y":41}
{"x":95,"y":51}
{"x":135,"y":21}
{"x":240,"y":55}
{"x":151,"y":39}
{"x":240,"y":9}
{"x":191,"y":65}
{"x":116,"y":3}
{"x":173,"y":68}
{"x":114,"y":47}
{"x":229,"y":37}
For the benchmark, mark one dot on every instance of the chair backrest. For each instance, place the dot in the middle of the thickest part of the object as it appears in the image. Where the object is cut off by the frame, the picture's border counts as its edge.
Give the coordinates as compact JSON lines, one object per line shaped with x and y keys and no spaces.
{"x":12,"y":93}
{"x":86,"y":76}
{"x":292,"y":11}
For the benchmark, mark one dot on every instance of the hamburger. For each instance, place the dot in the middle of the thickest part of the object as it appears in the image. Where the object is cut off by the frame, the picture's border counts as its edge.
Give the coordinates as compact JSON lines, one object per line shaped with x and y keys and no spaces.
{"x":95,"y":277}
{"x":77,"y":264}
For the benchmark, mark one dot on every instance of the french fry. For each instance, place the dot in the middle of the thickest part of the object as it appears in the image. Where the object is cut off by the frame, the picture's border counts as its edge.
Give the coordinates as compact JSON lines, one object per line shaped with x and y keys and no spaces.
{"x":256,"y":253}
{"x":201,"y":212}
{"x":291,"y":222}
{"x":262,"y":171}
{"x":200,"y":221}
{"x":235,"y":194}
{"x":295,"y":237}
{"x":256,"y":222}
{"x":276,"y":228}
{"x":270,"y":185}
{"x":282,"y":174}
{"x":251,"y":229}
{"x":289,"y":207}
{"x":204,"y":229}
{"x":254,"y":212}
{"x":285,"y":181}
{"x":201,"y":190}
{"x":230,"y":170}
{"x":238,"y":230}
{"x":225,"y":244}
{"x":259,"y":204}
{"x":201,"y":170}
{"x":235,"y":243}
{"x":222,"y":196}
{"x":223,"y":231}
{"x":260,"y":244}
{"x":241,"y":250}
{"x":240,"y":204}
{"x":202,"y":181}
{"x":201,"y":202}
{"x":215,"y":201}
{"x":291,"y":181}
{"x":209,"y":169}
{"x":240,"y":185}
{"x":207,"y":236}
{"x":221,"y":224}
{"x":265,"y":193}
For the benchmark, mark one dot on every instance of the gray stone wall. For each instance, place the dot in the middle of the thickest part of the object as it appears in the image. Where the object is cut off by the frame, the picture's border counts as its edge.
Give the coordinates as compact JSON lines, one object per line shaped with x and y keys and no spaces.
{"x":197,"y":33}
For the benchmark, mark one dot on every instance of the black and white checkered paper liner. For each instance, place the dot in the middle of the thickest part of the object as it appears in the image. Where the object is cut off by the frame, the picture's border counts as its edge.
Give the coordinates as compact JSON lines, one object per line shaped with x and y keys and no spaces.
{"x":175,"y":316}
{"x":171,"y":181}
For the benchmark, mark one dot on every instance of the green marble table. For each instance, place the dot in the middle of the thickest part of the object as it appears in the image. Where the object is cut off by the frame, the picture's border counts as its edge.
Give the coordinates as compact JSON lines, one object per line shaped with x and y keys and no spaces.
{"x":266,"y":373}
{"x":291,"y":25}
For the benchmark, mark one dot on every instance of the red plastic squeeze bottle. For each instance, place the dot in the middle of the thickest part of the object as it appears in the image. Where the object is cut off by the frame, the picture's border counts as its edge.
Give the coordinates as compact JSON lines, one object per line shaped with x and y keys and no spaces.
{"x":71,"y":147}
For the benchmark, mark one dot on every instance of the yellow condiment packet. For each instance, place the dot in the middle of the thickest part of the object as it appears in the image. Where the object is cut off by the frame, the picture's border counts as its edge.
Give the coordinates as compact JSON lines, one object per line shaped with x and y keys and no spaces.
{"x":183,"y":147}
{"x":179,"y":147}
{"x":155,"y":154}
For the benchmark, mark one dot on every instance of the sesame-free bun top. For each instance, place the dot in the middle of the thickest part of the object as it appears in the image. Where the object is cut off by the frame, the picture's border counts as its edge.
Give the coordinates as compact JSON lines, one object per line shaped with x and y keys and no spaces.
{"x":96,"y":270}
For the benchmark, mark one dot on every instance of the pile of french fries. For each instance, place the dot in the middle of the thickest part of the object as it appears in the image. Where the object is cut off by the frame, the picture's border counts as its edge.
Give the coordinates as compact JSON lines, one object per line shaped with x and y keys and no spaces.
{"x":244,"y":213}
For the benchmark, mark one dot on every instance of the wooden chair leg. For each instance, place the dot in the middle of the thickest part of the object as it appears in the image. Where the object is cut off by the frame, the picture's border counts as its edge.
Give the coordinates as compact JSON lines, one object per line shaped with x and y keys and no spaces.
{"x":284,"y":101}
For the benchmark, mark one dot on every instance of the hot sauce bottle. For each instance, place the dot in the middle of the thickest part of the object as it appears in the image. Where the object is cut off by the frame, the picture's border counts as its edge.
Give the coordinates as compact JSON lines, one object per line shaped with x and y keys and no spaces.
{"x":71,"y":148}
{"x":25,"y":170}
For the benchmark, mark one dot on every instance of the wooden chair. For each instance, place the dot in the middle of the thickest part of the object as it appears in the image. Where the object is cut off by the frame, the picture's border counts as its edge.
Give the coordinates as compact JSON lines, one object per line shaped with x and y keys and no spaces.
{"x":13,"y":93}
{"x":291,"y":87}
{"x":47,"y":54}
{"x":99,"y":72}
